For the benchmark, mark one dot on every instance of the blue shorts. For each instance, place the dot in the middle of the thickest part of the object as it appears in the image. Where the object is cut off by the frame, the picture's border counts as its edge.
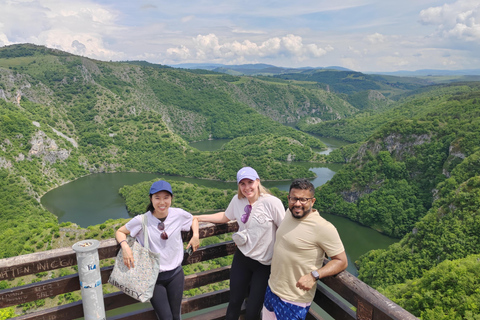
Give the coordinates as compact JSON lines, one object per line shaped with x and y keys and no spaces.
{"x":283,"y":310}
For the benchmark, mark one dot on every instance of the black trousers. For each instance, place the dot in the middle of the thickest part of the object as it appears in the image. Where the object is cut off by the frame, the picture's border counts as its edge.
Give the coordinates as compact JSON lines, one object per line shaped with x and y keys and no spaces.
{"x":247,"y":277}
{"x":168,"y":293}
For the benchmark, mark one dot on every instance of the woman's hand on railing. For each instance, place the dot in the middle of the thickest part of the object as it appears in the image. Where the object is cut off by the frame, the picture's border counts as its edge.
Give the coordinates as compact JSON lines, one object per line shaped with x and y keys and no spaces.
{"x":195,"y":240}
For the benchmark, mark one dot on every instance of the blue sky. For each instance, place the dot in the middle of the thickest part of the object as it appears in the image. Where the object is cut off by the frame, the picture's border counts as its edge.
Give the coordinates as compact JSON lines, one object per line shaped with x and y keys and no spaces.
{"x":363,"y":35}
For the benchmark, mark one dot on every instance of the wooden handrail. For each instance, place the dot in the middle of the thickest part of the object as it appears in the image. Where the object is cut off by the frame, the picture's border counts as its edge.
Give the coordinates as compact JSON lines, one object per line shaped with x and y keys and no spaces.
{"x":331,"y":292}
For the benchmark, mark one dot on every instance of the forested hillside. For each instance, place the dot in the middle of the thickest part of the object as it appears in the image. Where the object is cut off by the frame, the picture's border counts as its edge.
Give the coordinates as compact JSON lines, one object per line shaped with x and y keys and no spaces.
{"x":417,"y":178}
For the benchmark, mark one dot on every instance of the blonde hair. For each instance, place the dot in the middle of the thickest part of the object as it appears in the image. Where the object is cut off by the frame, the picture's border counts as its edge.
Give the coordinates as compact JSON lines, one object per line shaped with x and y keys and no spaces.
{"x":262,"y":190}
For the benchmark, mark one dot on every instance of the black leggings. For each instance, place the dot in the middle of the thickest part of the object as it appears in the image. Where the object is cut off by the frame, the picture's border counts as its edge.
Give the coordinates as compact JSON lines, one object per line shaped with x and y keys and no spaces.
{"x":247,"y":274}
{"x":168,"y":293}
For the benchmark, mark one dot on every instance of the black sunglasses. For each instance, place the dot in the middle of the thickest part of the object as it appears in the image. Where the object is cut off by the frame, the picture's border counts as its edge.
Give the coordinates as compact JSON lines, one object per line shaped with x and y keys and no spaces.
{"x":161,"y":227}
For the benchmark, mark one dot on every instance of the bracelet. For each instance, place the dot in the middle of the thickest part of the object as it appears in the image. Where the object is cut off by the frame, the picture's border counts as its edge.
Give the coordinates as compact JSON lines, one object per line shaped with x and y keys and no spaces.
{"x":120,"y":243}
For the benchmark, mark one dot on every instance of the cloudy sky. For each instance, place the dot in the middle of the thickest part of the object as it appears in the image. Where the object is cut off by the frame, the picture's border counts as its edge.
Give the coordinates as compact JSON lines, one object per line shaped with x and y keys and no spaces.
{"x":363,"y":35}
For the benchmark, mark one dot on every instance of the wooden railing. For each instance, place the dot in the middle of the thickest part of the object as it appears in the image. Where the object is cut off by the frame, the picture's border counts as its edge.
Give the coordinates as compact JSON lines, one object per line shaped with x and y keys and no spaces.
{"x":342,"y":296}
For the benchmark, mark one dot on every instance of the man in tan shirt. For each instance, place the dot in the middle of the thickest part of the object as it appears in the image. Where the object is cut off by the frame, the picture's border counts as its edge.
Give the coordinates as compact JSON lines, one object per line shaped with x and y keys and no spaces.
{"x":302,"y":241}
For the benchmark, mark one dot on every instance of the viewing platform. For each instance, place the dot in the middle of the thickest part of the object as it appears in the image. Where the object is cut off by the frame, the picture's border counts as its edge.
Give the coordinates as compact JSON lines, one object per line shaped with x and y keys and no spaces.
{"x":342,"y":296}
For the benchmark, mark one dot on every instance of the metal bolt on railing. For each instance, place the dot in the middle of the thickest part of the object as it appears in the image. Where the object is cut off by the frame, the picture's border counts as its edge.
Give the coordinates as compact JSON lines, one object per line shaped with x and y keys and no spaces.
{"x":90,"y":279}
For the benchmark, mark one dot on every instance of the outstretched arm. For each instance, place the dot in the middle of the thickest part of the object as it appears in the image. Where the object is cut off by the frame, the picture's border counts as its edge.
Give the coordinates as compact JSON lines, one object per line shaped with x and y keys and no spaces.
{"x":218,"y":217}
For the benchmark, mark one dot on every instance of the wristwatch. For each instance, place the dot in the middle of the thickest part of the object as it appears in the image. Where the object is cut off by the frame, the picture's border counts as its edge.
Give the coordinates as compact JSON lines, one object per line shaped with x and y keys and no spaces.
{"x":315,"y":274}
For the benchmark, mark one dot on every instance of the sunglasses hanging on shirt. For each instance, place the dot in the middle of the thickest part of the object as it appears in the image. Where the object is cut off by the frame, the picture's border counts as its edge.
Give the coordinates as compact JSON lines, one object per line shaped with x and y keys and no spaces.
{"x":161,"y":227}
{"x":246,"y":215}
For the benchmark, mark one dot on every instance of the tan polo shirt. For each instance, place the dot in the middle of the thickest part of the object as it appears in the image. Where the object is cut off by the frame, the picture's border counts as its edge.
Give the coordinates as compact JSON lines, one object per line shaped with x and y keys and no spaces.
{"x":300,"y":248}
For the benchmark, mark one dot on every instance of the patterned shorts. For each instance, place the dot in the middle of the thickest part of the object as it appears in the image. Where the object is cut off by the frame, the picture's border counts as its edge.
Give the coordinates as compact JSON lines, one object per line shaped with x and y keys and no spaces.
{"x":283,"y":310}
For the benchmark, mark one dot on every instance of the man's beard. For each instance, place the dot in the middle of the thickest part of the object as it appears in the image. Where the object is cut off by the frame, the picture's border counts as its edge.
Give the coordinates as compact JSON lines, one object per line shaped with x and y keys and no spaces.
{"x":303,"y":212}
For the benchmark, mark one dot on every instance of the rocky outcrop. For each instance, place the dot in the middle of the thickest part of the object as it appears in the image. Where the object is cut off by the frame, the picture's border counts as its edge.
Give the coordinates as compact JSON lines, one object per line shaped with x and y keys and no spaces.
{"x":46,"y":148}
{"x":5,"y":164}
{"x":455,"y":152}
{"x":375,"y":95}
{"x":397,"y":144}
{"x":352,"y":196}
{"x":71,"y":140}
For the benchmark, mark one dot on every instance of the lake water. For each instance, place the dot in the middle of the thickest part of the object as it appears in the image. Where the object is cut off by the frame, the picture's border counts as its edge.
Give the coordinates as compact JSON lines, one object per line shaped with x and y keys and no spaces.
{"x":94,"y":199}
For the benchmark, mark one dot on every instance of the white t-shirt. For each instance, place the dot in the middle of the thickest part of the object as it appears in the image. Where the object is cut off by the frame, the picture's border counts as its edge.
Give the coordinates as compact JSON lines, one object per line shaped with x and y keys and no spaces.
{"x":265,"y":218}
{"x":171,"y":250}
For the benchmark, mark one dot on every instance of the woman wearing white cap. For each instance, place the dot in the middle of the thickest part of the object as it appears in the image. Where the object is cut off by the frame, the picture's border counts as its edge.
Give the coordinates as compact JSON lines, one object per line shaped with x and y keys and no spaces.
{"x":258,"y":214}
{"x":165,"y":225}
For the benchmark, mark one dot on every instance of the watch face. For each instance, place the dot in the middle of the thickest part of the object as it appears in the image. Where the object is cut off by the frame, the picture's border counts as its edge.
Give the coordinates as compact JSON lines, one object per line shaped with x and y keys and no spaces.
{"x":315,"y":274}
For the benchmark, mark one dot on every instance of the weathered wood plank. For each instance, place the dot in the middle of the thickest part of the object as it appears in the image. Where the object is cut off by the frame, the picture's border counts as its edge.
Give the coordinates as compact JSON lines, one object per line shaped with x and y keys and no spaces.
{"x":312,"y":315}
{"x":54,"y":287}
{"x":210,"y":229}
{"x":13,"y":267}
{"x":66,"y":312}
{"x":198,"y":302}
{"x":210,"y":252}
{"x":218,"y":314}
{"x":354,"y":291}
{"x":332,"y":305}
{"x":205,"y":300}
{"x":38,"y":290}
{"x":207,"y":277}
{"x":119,"y":299}
{"x":147,"y":314}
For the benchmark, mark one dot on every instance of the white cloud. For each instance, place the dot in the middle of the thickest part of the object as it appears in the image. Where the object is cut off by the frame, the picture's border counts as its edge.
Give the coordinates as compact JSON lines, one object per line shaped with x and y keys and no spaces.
{"x":178,"y":53}
{"x":376,"y":38}
{"x":457,"y":21}
{"x":368,"y":35}
{"x":210,"y":47}
{"x":72,"y":26}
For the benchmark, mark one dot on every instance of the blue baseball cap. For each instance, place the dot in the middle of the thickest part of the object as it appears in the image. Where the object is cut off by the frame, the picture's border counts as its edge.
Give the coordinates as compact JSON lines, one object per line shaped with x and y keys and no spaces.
{"x":161,"y":185}
{"x":247,"y":173}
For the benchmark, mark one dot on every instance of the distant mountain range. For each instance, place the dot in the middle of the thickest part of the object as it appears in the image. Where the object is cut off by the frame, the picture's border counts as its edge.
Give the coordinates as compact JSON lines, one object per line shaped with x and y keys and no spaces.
{"x":251,"y":69}
{"x":267,"y":69}
{"x":431,"y":72}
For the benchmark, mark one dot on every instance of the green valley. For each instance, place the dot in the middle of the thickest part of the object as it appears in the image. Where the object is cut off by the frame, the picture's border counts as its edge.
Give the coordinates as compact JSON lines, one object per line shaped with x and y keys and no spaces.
{"x":412,"y":171}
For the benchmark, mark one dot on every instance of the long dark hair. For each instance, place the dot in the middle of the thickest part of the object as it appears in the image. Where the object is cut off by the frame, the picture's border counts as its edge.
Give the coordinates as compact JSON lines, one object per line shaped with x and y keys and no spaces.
{"x":150,"y":205}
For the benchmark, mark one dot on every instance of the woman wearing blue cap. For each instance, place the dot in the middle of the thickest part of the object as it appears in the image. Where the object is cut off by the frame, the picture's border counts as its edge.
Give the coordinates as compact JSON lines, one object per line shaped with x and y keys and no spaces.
{"x":258,"y":214}
{"x":165,"y":225}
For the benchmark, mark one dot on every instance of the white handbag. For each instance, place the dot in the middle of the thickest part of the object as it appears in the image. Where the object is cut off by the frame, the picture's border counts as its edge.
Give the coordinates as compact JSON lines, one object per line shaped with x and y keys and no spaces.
{"x":138,"y":282}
